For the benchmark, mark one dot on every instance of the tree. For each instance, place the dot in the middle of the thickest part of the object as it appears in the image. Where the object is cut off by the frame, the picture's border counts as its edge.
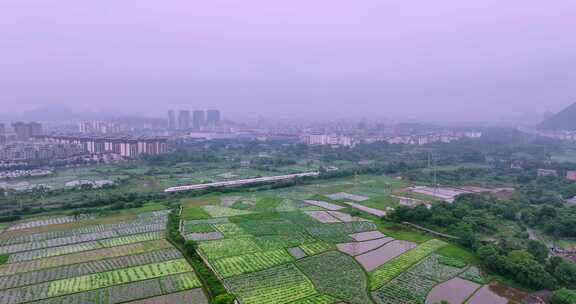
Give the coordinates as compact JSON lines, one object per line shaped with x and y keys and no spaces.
{"x":526,"y":270}
{"x":565,"y":272}
{"x":538,"y":250}
{"x":563,"y":296}
{"x":491,"y":258}
{"x":223,"y":299}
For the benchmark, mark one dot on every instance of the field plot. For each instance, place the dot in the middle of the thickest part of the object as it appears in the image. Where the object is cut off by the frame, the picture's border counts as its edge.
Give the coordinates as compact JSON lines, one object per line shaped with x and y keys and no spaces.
{"x":414,"y":285}
{"x":473,"y":274}
{"x":237,"y":265}
{"x":347,"y":196}
{"x":209,"y":236}
{"x":102,"y":263}
{"x":279,"y":285}
{"x":195,"y":296}
{"x":145,"y":222}
{"x":358,"y":248}
{"x":69,"y":271}
{"x":487,"y":295}
{"x":398,"y":265}
{"x":82,"y":257}
{"x":86,"y":246}
{"x":220,"y":211}
{"x":455,"y":291}
{"x":318,"y":299}
{"x":227,"y":248}
{"x":231,"y":230}
{"x":375,"y":258}
{"x":322,"y":216}
{"x":376,"y":212}
{"x":343,"y":217}
{"x":368,"y":235}
{"x":337,"y":275}
{"x":46,"y":222}
{"x":298,"y":250}
{"x":324,"y":205}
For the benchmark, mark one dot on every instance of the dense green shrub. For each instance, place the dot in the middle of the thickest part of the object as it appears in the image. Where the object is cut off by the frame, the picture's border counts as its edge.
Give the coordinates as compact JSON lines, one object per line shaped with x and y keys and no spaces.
{"x":563,"y":296}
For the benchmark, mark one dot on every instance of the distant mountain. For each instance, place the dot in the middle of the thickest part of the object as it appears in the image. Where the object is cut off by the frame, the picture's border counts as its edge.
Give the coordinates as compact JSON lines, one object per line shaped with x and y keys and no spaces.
{"x":565,"y":120}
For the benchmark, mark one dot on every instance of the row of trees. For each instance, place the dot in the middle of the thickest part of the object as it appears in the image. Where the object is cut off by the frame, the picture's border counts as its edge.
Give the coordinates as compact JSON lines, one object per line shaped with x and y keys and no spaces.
{"x":215,"y":288}
{"x":479,"y":220}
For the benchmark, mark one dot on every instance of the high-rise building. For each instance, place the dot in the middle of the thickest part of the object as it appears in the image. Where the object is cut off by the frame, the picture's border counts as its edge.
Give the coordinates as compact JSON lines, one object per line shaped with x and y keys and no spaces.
{"x":2,"y":133}
{"x":171,"y":120}
{"x":184,"y":120}
{"x":25,"y":131}
{"x":198,"y":119}
{"x":35,"y":129}
{"x":212,"y":118}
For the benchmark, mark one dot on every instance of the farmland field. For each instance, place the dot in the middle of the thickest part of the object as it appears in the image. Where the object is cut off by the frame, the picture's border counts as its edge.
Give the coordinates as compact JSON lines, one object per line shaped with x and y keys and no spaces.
{"x":300,"y":245}
{"x":298,"y":250}
{"x":94,"y":262}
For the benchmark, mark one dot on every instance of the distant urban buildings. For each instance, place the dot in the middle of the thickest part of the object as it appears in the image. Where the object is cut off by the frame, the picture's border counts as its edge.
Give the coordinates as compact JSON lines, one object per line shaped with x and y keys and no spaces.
{"x":99,"y":127}
{"x":24,"y":173}
{"x":184,"y":120}
{"x":123,"y":146}
{"x":423,"y":139}
{"x":17,"y":152}
{"x":212,"y":118}
{"x":25,"y":131}
{"x":410,"y":139}
{"x":171,"y":120}
{"x":563,"y":135}
{"x":198,"y":120}
{"x":327,"y":139}
{"x":571,"y":175}
{"x":2,"y":133}
{"x":547,"y":172}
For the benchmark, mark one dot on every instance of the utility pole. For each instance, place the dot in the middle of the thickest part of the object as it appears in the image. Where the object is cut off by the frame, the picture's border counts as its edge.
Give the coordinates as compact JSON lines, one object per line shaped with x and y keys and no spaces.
{"x":435,"y":173}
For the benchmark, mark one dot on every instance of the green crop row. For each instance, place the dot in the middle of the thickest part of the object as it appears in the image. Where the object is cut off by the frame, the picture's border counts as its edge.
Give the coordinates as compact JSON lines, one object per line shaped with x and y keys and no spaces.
{"x":82,"y":257}
{"x":131,"y":239}
{"x":237,"y":265}
{"x":279,"y":285}
{"x":228,"y":248}
{"x":115,"y":277}
{"x":316,"y":248}
{"x":337,"y":274}
{"x":317,"y":299}
{"x":398,"y":265}
{"x":231,"y":230}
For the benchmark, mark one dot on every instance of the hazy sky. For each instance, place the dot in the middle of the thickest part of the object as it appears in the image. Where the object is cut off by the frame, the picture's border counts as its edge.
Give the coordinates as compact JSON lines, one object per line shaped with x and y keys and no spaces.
{"x":443,"y":59}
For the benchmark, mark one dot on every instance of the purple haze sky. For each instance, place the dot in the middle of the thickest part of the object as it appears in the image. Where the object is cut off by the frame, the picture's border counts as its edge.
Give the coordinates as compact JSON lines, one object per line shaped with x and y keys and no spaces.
{"x":444,"y":59}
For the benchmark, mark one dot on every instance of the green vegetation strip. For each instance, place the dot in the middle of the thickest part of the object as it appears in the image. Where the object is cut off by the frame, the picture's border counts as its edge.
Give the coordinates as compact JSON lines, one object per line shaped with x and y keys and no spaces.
{"x":227,"y":248}
{"x":4,"y":258}
{"x":316,"y":248}
{"x":338,"y":275}
{"x":121,"y":276}
{"x":81,"y":247}
{"x":83,"y":257}
{"x":414,"y":285}
{"x":216,"y":290}
{"x":398,"y":265}
{"x":318,"y":299}
{"x":125,"y":293}
{"x":69,"y":271}
{"x":237,"y":265}
{"x":279,"y":285}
